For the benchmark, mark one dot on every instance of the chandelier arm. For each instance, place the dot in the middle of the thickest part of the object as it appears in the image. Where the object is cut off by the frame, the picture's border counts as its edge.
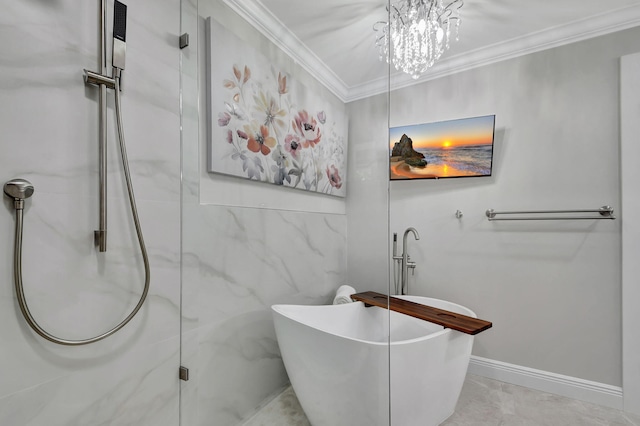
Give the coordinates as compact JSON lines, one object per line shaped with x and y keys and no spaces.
{"x":453,"y":7}
{"x":446,"y":15}
{"x":398,"y":14}
{"x":431,"y":4}
{"x":384,"y":25}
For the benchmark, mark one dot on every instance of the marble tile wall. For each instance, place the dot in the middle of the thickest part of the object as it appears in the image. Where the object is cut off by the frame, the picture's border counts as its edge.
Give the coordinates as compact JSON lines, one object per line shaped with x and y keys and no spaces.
{"x":238,"y":260}
{"x":49,"y":131}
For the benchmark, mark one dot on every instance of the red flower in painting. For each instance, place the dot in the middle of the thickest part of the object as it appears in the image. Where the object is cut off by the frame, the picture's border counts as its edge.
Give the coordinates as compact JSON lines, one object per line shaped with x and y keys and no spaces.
{"x":307,"y":128}
{"x":334,"y":177}
{"x":259,"y":139}
{"x":292,"y":145}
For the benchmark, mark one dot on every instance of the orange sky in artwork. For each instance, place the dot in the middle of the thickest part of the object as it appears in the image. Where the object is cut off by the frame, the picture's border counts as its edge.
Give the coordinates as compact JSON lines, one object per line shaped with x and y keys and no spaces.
{"x":451,"y":142}
{"x":451,"y":134}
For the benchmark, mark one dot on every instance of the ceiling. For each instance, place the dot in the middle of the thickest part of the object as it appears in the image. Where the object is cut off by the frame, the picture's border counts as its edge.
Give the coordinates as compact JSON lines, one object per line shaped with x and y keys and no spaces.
{"x":334,"y":39}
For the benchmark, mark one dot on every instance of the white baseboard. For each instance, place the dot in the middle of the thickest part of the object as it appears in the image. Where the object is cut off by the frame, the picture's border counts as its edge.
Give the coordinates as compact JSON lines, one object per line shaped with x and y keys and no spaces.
{"x":571,"y":387}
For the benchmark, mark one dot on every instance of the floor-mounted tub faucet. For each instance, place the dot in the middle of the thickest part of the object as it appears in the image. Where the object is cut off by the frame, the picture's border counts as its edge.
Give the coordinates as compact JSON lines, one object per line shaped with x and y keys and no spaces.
{"x":404,"y":260}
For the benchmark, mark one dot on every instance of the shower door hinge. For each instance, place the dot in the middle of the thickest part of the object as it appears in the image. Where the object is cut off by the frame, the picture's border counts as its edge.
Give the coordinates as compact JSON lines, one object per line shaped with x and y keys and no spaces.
{"x":184,"y":40}
{"x":183,"y":373}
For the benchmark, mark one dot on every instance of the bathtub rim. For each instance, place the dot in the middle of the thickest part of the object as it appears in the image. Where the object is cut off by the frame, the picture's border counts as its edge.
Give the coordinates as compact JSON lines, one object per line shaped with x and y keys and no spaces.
{"x":277,"y":309}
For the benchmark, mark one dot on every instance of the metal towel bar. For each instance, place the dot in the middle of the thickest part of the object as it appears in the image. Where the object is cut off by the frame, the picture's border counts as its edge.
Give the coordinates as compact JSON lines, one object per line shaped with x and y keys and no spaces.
{"x":604,"y":212}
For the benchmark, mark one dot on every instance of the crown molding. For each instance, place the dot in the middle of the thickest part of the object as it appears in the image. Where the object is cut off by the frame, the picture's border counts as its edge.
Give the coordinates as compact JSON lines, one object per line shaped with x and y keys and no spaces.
{"x":254,"y":12}
{"x":261,"y":18}
{"x":606,"y":23}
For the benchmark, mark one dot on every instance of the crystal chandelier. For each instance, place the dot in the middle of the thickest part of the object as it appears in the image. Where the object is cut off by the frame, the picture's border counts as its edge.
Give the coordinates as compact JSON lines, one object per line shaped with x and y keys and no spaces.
{"x":417,"y":33}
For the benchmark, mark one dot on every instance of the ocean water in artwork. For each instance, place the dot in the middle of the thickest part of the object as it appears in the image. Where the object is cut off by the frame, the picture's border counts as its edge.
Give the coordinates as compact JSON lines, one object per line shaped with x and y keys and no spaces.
{"x":472,"y":160}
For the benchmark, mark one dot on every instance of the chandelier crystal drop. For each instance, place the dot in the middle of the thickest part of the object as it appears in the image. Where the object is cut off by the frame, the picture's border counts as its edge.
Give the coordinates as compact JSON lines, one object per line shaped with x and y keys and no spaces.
{"x":417,"y":34}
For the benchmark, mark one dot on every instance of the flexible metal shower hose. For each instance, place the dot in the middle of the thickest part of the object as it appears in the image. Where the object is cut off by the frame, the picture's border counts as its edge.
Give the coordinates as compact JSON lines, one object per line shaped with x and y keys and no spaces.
{"x":134,"y":211}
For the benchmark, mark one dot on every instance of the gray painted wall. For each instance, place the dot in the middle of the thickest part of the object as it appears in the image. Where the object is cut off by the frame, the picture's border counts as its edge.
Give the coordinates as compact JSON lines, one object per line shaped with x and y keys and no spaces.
{"x":368,"y":197}
{"x":552,"y":289}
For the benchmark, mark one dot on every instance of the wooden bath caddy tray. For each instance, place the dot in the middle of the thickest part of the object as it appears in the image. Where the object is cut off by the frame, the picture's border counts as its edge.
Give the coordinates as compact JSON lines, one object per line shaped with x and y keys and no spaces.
{"x":441,"y":317}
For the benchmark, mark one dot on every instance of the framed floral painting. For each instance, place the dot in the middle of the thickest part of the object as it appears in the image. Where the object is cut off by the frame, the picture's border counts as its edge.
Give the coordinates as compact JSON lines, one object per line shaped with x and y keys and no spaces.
{"x":266,"y":126}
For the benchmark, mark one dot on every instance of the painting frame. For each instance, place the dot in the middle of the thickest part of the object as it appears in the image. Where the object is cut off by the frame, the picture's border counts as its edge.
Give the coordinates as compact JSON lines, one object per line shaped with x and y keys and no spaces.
{"x":455,"y":148}
{"x":265,"y":125}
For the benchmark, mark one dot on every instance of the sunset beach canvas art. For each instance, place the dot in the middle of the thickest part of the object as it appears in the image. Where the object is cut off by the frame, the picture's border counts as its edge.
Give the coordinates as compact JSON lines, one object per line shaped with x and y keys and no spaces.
{"x":446,"y":149}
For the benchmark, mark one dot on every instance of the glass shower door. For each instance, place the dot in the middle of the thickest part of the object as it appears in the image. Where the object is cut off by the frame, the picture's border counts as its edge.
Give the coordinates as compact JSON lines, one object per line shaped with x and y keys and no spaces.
{"x":284,"y":96}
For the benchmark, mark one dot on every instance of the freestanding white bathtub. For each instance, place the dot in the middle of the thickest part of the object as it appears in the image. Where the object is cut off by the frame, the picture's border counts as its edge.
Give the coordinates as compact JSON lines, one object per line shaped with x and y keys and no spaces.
{"x":356,"y":366}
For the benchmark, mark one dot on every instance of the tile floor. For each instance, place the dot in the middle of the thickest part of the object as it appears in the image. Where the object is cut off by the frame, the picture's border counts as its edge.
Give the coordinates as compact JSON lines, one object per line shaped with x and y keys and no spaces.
{"x":483,"y":402}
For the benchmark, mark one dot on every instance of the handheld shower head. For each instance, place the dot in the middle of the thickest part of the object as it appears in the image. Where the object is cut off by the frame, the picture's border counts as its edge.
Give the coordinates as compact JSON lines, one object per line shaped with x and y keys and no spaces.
{"x":18,"y":189}
{"x":119,"y":34}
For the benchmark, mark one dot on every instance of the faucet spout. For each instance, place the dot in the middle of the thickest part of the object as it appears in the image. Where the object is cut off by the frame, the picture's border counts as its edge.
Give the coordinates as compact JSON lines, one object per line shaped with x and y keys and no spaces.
{"x":416,"y":235}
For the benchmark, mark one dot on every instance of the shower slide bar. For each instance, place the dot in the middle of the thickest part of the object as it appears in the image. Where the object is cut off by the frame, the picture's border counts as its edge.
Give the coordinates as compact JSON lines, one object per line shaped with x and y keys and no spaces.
{"x":103,"y":82}
{"x":604,"y":212}
{"x":21,"y":189}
